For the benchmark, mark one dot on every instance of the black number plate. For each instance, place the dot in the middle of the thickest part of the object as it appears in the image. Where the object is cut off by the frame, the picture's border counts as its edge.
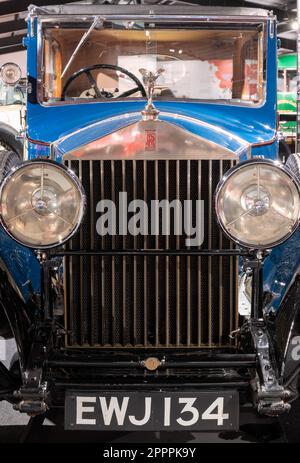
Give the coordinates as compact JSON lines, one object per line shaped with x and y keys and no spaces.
{"x":152,"y":411}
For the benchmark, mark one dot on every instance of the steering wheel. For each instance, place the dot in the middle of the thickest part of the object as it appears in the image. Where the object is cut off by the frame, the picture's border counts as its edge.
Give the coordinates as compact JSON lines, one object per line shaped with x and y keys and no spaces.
{"x":100,"y":93}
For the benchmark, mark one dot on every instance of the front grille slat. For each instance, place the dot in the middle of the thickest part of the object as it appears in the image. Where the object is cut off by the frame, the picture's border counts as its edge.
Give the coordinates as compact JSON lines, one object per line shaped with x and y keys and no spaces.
{"x":221,"y":301}
{"x":150,"y":300}
{"x":145,"y":261}
{"x":124,"y":312}
{"x":177,"y":264}
{"x":188,"y":293}
{"x":113,"y":276}
{"x":210,"y":313}
{"x":199,"y":269}
{"x":134,"y":261}
{"x":167,"y":259}
{"x":157,"y":301}
{"x":94,"y":311}
{"x":102,"y":278}
{"x":232,"y":290}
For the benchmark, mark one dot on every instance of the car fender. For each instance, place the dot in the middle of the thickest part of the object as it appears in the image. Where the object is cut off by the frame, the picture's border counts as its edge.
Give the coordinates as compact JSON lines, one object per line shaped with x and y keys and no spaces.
{"x":287,"y":334}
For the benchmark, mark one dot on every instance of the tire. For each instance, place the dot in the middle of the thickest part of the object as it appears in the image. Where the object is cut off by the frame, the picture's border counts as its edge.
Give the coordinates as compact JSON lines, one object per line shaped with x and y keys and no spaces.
{"x":293,"y":163}
{"x":8,"y":160}
{"x":9,"y":141}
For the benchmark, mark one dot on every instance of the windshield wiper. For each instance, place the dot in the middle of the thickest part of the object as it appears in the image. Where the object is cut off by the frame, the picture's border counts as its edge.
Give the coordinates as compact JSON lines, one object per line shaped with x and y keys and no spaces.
{"x":80,"y":43}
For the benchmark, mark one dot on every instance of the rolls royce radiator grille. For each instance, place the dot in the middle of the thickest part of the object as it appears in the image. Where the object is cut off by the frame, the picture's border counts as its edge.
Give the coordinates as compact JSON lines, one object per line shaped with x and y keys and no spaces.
{"x":147,"y":300}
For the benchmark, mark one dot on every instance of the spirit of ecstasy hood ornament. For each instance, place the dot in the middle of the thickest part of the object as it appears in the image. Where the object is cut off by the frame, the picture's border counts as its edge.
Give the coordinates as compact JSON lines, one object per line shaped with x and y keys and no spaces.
{"x":149,"y":79}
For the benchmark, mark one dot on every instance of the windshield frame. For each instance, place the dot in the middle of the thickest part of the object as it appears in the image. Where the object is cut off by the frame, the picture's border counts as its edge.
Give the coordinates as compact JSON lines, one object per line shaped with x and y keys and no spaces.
{"x":248,"y":21}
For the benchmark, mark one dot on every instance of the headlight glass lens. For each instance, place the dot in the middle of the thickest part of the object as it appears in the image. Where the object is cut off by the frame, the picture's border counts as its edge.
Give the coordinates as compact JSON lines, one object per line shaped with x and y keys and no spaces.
{"x":42,"y":204}
{"x":258,"y":204}
{"x":10,"y":73}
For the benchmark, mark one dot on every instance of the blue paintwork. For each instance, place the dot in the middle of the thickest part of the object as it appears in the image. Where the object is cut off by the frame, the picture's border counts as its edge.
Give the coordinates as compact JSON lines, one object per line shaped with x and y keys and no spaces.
{"x":280,"y":268}
{"x":22,"y":264}
{"x":251,"y":124}
{"x":232,"y":126}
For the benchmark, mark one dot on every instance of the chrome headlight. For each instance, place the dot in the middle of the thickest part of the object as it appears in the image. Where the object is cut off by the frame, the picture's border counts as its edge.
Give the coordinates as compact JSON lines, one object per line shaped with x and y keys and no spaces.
{"x":258,"y":204}
{"x":42,"y":204}
{"x":10,"y":73}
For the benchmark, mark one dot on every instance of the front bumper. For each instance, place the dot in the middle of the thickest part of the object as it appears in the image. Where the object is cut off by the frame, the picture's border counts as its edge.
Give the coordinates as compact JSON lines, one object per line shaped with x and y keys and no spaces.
{"x":119,"y":370}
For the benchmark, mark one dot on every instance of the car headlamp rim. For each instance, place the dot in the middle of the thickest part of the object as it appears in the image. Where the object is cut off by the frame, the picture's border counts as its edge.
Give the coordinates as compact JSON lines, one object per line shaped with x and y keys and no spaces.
{"x":17,"y":67}
{"x":226,"y":177}
{"x":65,"y":170}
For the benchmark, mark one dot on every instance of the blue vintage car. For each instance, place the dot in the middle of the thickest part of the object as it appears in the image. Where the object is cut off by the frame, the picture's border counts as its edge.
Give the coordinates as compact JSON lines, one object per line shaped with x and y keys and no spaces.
{"x":149,"y":246}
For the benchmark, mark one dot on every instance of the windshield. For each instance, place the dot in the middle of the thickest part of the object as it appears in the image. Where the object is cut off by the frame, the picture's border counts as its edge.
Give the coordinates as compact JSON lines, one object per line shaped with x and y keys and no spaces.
{"x":104,"y":62}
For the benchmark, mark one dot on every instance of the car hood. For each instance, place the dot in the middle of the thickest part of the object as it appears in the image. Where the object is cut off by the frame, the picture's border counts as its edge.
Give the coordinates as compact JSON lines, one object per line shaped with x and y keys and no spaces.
{"x":129,"y":136}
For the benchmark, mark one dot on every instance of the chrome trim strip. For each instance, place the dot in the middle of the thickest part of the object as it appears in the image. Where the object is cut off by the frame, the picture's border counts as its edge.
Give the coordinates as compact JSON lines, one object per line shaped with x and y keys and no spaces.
{"x":220,"y":273}
{"x":134,"y":259}
{"x":81,"y":285}
{"x":149,"y":12}
{"x":199,"y":305}
{"x":157,"y":262}
{"x":231,"y":290}
{"x":236,"y":302}
{"x":210,"y":205}
{"x":124,"y":288}
{"x":229,"y":19}
{"x":178,"y":338}
{"x":102,"y":258}
{"x":92,"y":234}
{"x":145,"y":263}
{"x":265,"y":143}
{"x":167,"y":260}
{"x":188,"y":263}
{"x":113,"y":278}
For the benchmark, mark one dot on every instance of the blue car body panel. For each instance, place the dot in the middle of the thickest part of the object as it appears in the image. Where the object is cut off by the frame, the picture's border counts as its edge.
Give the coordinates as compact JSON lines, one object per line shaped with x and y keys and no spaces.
{"x":22,"y":264}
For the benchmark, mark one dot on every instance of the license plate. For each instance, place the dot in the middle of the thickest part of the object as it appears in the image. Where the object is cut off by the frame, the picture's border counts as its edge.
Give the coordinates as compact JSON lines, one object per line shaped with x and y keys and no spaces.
{"x":152,"y":411}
